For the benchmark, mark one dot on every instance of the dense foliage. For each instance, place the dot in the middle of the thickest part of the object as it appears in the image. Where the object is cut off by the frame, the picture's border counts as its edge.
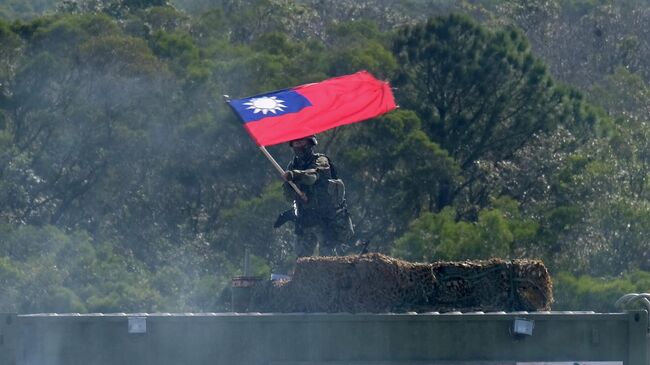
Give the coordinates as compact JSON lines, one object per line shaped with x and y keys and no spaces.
{"x":126,"y":184}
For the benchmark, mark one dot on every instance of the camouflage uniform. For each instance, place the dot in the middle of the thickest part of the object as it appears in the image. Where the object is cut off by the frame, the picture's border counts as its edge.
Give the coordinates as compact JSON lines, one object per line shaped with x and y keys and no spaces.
{"x":323,"y":218}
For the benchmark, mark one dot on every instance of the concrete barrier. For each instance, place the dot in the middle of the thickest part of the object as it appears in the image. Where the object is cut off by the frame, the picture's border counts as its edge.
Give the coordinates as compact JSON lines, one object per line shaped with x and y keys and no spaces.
{"x":337,"y":339}
{"x":7,"y":338}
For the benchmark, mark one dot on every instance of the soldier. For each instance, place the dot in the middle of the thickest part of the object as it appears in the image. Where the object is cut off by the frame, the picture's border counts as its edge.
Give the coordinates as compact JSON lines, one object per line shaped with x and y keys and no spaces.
{"x":322,"y":218}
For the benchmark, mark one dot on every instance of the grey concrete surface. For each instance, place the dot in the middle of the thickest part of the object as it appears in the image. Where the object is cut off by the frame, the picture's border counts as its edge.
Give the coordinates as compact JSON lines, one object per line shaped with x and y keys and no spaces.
{"x":336,"y":339}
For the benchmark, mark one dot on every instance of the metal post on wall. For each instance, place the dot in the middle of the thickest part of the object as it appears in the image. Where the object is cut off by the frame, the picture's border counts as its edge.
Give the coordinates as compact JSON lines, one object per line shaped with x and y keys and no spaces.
{"x":247,"y":261}
{"x":242,"y":286}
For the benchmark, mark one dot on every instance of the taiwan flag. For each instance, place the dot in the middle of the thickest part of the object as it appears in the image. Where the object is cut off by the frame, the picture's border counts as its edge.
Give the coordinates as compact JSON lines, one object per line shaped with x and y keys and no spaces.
{"x":285,"y":115}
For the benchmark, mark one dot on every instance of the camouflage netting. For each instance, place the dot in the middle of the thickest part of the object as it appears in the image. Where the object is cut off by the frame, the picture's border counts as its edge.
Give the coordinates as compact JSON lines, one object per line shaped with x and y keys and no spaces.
{"x":378,"y":283}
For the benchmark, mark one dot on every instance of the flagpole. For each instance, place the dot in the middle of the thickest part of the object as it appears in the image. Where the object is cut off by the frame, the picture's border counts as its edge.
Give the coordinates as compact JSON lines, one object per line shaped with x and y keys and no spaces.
{"x":281,"y":171}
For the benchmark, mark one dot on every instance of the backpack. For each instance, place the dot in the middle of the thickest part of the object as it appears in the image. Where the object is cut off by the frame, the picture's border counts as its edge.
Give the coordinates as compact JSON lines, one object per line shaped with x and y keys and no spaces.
{"x":335,"y":186}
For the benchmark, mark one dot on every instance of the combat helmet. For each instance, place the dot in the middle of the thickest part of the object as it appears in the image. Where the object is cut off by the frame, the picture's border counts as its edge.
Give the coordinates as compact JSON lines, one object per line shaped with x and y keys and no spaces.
{"x":310,"y":138}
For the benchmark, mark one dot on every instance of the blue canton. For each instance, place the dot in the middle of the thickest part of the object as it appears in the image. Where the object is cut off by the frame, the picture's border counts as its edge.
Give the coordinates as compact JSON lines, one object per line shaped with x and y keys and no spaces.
{"x":289,"y":101}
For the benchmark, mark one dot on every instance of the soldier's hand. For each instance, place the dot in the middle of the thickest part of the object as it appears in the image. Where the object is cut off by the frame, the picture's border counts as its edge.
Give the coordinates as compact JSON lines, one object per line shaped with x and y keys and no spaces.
{"x":288,"y":175}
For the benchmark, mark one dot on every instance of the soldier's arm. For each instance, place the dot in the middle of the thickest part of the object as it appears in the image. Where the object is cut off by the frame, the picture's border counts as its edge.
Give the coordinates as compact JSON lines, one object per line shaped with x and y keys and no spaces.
{"x":310,"y":176}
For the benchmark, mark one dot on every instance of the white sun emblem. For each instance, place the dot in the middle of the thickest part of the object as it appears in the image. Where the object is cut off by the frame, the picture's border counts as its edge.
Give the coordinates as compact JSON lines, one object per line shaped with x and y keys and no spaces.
{"x":266,"y":104}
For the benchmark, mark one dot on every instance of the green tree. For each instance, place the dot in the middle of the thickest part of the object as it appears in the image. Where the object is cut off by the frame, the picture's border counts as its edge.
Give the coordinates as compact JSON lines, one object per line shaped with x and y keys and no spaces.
{"x":596,"y":293}
{"x":481,"y":94}
{"x":127,"y":184}
{"x":500,"y":231}
{"x":115,"y":8}
{"x":249,"y":224}
{"x":25,"y":9}
{"x":358,"y":46}
{"x":393,"y":172}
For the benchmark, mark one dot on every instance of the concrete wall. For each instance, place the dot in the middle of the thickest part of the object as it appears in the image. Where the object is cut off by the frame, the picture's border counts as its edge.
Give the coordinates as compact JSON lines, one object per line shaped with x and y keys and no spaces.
{"x":7,"y":338}
{"x":291,"y":339}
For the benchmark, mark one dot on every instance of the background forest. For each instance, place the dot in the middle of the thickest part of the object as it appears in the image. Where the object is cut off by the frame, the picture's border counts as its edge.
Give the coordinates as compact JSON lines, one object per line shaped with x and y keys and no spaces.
{"x":127,"y":185}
